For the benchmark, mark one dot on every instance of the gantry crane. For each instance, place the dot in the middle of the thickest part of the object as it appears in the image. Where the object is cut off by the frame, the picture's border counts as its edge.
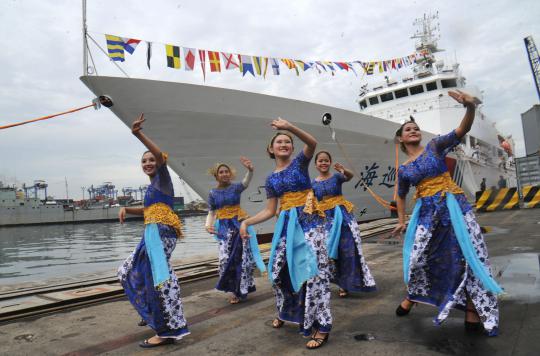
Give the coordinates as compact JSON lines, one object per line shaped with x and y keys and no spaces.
{"x":534,"y":61}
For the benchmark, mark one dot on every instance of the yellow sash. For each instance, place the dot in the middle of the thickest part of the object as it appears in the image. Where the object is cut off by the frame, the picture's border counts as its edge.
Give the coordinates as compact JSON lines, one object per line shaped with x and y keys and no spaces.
{"x":305,"y":198}
{"x":442,"y":183}
{"x":330,"y":202}
{"x":230,"y":211}
{"x":161,"y":213}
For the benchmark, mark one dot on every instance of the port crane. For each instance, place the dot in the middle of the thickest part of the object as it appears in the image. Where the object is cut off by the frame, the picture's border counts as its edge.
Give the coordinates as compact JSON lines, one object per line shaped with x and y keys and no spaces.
{"x":534,"y":61}
{"x":38,"y":186}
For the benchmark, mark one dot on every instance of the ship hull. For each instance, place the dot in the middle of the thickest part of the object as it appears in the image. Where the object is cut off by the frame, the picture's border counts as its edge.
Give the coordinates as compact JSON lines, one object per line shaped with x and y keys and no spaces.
{"x":200,"y":125}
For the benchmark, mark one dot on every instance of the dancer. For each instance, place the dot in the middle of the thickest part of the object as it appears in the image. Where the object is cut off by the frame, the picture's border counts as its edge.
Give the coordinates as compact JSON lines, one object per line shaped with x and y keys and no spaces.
{"x":351,"y":272}
{"x":298,"y":266}
{"x":237,"y":257}
{"x":148,"y":280}
{"x":445,"y":259}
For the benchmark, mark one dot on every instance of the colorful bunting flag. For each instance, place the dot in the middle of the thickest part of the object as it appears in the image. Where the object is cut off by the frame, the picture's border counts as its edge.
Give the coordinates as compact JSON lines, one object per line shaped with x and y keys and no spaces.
{"x":265,"y":66}
{"x":173,"y":56}
{"x":130,"y":44}
{"x":275,"y":65}
{"x":342,"y":65}
{"x":303,"y":65}
{"x":350,"y":64}
{"x":257,"y":63}
{"x":230,"y":61}
{"x":290,"y":64}
{"x":148,"y":53}
{"x":369,"y":68}
{"x":215,"y":64}
{"x":318,"y":63}
{"x":246,"y":66}
{"x":189,"y":58}
{"x":115,"y":47}
{"x":202,"y":57}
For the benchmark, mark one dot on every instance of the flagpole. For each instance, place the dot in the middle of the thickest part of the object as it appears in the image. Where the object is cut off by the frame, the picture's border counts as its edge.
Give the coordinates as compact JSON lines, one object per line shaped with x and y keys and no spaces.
{"x":85,"y":41}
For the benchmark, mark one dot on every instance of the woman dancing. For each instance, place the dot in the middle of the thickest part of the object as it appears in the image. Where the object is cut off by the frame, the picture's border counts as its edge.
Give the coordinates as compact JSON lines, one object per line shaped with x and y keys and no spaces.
{"x":298,"y":265}
{"x":344,"y":242}
{"x":148,"y":280}
{"x":237,"y":257}
{"x":445,"y":259}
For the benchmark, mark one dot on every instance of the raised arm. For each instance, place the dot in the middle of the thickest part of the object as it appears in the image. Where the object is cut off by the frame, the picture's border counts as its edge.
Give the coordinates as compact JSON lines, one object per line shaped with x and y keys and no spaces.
{"x":346,"y":172}
{"x":308,"y":139}
{"x":470,"y":103}
{"x":136,"y":129}
{"x":249,"y":174}
{"x":268,"y":212}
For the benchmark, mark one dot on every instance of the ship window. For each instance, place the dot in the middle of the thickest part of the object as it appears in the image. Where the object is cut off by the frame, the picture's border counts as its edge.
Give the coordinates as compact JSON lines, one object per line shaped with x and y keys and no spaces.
{"x":401,"y":93}
{"x":431,"y":86}
{"x":387,"y":97}
{"x":21,"y":204}
{"x":416,"y":89}
{"x":363,"y":104}
{"x":373,"y":101}
{"x":449,"y":83}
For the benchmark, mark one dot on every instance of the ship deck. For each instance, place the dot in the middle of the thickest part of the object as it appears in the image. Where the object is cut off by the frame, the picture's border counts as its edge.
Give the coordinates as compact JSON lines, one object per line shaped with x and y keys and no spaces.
{"x":218,"y":328}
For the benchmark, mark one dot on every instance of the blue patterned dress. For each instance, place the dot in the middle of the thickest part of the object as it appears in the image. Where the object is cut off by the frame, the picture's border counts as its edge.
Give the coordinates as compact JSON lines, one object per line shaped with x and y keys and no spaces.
{"x":160,"y":306}
{"x":351,"y":271}
{"x":438,"y":272}
{"x":236,"y":264}
{"x":310,"y":306}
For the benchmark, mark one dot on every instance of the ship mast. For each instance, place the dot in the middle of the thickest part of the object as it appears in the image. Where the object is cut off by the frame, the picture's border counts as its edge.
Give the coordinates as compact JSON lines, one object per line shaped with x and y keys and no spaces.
{"x":85,"y":40}
{"x":427,"y":34}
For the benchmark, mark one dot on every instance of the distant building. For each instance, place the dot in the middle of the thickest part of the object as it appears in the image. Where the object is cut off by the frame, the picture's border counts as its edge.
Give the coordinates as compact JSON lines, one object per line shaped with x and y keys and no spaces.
{"x":530,"y":120}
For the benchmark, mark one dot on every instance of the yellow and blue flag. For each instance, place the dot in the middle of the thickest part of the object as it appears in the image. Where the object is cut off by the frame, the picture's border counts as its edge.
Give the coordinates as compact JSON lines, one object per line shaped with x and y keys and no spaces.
{"x":115,"y":47}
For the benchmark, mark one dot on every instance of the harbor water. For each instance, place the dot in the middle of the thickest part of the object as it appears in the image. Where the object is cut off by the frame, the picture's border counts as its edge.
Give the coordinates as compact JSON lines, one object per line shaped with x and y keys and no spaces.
{"x":42,"y":252}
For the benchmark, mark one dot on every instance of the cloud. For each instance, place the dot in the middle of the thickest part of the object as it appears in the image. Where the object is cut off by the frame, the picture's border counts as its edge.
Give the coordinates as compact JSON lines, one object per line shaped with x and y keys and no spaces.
{"x":42,"y":60}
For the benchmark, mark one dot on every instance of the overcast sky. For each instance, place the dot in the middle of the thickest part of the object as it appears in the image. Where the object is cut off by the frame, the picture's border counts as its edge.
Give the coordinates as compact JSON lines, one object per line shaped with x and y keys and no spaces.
{"x":41,"y":62}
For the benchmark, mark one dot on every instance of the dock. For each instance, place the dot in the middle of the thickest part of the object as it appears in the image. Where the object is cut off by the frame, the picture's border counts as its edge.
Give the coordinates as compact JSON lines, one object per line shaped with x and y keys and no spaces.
{"x":364,"y":323}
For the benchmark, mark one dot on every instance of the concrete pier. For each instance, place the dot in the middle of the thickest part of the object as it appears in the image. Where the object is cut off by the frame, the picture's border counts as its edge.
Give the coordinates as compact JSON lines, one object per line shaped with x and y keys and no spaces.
{"x":364,"y":323}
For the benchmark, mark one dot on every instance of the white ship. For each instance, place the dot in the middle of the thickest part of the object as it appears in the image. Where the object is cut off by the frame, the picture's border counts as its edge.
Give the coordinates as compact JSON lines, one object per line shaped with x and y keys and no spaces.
{"x":201,"y":125}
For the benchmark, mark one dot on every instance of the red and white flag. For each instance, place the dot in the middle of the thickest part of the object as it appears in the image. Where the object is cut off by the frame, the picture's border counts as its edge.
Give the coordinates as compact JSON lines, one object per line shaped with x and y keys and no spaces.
{"x":202,"y":57}
{"x":230,"y":61}
{"x":189,"y":58}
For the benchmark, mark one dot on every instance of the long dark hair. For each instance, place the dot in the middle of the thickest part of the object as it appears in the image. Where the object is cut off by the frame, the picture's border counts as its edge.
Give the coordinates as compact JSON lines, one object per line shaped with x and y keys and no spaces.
{"x":399,"y":132}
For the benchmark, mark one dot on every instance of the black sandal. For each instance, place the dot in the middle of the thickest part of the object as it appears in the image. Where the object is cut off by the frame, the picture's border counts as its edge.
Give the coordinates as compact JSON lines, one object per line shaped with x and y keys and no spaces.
{"x":142,"y":322}
{"x":400,"y":311}
{"x":277,"y":323}
{"x":146,"y":345}
{"x":320,"y":341}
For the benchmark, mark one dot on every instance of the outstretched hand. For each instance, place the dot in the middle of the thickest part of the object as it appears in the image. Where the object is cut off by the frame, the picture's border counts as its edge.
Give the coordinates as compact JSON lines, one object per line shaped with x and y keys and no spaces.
{"x":137,"y":124}
{"x":464,"y":98}
{"x":246,"y":162}
{"x":339,"y":167}
{"x":280,"y":124}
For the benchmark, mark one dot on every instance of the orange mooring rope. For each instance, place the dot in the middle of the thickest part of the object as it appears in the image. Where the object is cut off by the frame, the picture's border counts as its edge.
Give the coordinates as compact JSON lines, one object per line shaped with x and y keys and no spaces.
{"x":44,"y":117}
{"x":396,"y":166}
{"x":375,"y":196}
